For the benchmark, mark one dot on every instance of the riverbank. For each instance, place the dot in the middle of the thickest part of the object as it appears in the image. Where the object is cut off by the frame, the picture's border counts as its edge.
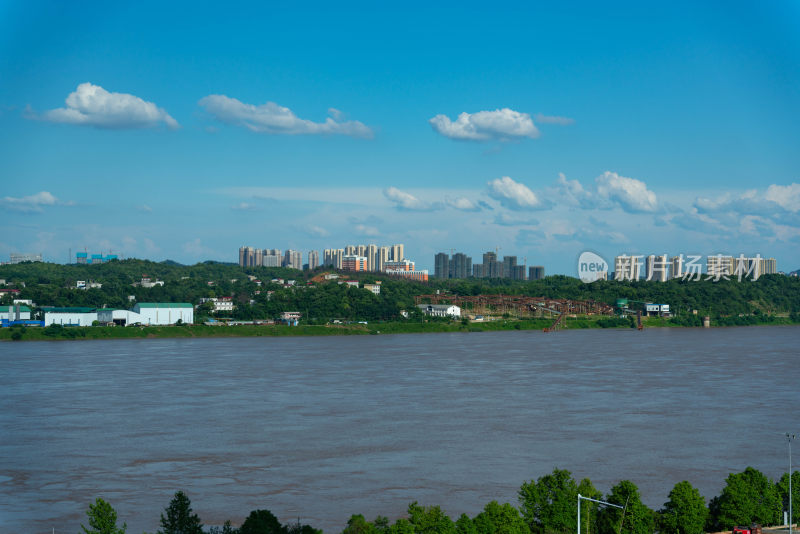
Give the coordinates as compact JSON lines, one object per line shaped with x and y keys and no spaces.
{"x":53,"y":333}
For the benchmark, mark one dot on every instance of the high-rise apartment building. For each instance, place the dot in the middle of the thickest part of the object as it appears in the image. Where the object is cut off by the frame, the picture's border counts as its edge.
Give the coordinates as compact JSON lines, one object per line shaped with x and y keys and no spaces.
{"x":536,"y":272}
{"x":627,"y":267}
{"x":441,"y":265}
{"x":657,"y":268}
{"x":313,"y":259}
{"x":383,"y":258}
{"x":460,"y":266}
{"x":397,"y":253}
{"x":293,"y":259}
{"x":372,"y":258}
{"x":491,"y":267}
{"x":354,"y":263}
{"x":676,"y":267}
{"x":509,"y":263}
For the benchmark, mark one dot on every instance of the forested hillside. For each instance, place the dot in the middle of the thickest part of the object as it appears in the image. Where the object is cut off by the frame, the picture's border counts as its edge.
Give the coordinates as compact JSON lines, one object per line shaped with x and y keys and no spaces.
{"x":49,"y":284}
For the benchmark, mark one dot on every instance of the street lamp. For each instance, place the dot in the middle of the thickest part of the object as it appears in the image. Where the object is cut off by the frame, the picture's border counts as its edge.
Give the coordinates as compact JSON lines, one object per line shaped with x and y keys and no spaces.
{"x":789,"y":438}
{"x":593,"y":500}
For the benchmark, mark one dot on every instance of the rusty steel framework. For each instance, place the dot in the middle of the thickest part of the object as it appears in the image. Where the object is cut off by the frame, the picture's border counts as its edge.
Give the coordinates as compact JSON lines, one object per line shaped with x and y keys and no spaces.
{"x":518,"y":305}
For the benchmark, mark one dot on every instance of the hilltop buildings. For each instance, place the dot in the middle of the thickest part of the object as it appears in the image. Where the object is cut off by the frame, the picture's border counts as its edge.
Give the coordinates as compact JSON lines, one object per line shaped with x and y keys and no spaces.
{"x":460,"y":266}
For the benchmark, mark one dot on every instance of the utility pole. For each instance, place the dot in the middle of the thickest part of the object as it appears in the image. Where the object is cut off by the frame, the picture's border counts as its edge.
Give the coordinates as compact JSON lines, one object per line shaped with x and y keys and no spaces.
{"x":789,"y":438}
{"x":593,"y":500}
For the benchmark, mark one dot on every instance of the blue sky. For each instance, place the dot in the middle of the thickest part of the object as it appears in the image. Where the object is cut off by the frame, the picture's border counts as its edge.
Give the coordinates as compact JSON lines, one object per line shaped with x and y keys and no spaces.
{"x":186,"y":131}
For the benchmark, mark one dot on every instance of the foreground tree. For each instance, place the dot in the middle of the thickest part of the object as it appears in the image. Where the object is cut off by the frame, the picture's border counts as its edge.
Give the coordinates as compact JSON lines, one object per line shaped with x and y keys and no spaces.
{"x":748,"y":497}
{"x":179,"y":518}
{"x":685,"y":512}
{"x":430,"y":520}
{"x":500,"y":519}
{"x":102,"y":519}
{"x":262,"y":522}
{"x":636,"y":518}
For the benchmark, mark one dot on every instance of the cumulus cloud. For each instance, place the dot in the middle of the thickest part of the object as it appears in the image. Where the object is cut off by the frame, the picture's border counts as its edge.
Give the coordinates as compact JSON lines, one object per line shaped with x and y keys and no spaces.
{"x":31,"y":203}
{"x":462,"y":204}
{"x":571,"y":192}
{"x":631,"y":194}
{"x":406,"y":201}
{"x":91,"y":105}
{"x":554,"y":119}
{"x":502,"y":124}
{"x":270,"y":118}
{"x":513,"y":195}
{"x":785,"y":196}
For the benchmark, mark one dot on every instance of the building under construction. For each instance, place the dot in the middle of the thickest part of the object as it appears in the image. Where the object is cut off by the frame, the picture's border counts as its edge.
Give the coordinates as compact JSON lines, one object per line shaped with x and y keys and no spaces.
{"x":517,"y":305}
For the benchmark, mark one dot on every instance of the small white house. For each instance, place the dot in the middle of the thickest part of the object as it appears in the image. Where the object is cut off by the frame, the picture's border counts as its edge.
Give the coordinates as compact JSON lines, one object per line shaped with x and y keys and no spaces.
{"x":440,"y":310}
{"x":164,"y":313}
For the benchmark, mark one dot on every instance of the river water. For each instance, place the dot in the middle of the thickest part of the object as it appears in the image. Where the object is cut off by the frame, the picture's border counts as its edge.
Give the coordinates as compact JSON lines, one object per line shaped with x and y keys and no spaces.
{"x":322,"y":428}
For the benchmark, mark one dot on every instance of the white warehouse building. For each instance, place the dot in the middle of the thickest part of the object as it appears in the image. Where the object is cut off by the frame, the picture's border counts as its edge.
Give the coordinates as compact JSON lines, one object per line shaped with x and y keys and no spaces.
{"x":164,"y":313}
{"x":118,"y":317}
{"x":74,"y":316}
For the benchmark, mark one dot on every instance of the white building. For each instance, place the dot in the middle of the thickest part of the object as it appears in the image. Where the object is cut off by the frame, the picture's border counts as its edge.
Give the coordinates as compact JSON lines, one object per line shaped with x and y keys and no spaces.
{"x":164,"y":313}
{"x":74,"y":316}
{"x":118,"y":317}
{"x":375,"y":288}
{"x":221,"y":304}
{"x":440,"y":310}
{"x":9,"y":313}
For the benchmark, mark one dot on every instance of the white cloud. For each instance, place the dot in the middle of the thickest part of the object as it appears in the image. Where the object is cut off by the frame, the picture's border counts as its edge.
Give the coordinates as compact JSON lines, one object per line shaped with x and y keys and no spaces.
{"x":573,"y":193}
{"x":317,"y":231}
{"x":270,"y":118}
{"x":513,"y":195}
{"x":145,"y":208}
{"x":91,"y":105}
{"x":462,"y":204}
{"x":31,"y":203}
{"x":508,"y":219}
{"x":631,"y":194}
{"x":776,"y":199}
{"x":365,"y":230}
{"x":244,"y":206}
{"x":502,"y":124}
{"x":786,"y":196}
{"x":554,"y":119}
{"x":406,"y":201}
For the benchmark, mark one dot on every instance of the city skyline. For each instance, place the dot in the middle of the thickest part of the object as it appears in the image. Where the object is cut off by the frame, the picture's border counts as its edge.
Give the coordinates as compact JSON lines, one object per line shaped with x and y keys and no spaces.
{"x":536,"y":131}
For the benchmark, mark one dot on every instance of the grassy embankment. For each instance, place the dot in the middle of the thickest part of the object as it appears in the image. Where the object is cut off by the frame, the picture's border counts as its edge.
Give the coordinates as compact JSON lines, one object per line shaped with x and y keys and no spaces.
{"x":397,"y":327}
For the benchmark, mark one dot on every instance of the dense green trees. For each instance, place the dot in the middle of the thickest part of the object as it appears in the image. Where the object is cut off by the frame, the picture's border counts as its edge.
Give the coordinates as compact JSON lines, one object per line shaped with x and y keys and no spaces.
{"x":747,"y":497}
{"x":635,"y":518}
{"x":102,"y":519}
{"x":783,"y":494}
{"x":728,"y":302}
{"x":685,"y":512}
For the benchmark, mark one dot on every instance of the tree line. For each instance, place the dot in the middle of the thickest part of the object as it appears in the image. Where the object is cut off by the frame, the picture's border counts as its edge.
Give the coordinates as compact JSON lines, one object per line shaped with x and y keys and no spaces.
{"x":548,"y":505}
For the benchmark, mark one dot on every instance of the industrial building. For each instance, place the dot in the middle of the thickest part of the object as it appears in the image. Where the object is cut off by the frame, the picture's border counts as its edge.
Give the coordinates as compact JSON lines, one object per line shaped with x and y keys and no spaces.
{"x":69,"y":316}
{"x":164,"y":313}
{"x":15,"y":313}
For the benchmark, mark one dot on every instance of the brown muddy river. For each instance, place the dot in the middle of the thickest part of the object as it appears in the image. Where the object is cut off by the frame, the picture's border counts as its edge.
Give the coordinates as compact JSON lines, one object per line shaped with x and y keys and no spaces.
{"x":322,"y":428}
